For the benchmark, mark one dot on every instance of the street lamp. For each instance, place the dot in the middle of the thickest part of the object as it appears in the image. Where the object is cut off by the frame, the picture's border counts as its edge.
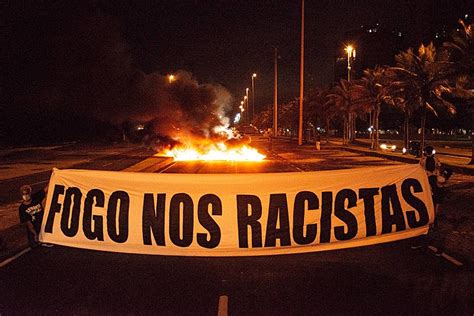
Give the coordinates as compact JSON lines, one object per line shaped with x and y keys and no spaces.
{"x":246,"y":98}
{"x":171,"y":78}
{"x":253,"y":94}
{"x":351,"y":53}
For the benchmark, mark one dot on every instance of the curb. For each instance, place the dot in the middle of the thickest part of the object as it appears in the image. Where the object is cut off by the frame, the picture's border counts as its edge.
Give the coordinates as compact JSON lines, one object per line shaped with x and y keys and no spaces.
{"x":455,"y":168}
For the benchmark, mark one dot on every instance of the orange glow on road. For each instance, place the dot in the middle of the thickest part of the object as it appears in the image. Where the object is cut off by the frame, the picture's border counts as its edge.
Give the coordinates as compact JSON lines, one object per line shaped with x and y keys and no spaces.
{"x":214,"y":152}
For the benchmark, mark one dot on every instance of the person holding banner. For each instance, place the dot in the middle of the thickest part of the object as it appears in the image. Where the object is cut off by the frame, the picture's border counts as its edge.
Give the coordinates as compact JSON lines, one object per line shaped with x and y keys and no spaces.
{"x":436,"y":179}
{"x":31,"y":213}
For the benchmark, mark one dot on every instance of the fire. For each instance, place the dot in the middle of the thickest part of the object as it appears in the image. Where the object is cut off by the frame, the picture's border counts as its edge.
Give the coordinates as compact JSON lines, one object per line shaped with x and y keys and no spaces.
{"x":214,"y":151}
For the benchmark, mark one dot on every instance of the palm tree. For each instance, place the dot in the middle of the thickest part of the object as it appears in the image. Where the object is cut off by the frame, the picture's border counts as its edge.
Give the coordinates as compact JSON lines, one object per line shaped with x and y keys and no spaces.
{"x":421,"y":80}
{"x":344,"y":98}
{"x":341,"y":99}
{"x":288,"y":116}
{"x":264,"y":119}
{"x":320,"y":106}
{"x":372,"y":93}
{"x":461,"y":47}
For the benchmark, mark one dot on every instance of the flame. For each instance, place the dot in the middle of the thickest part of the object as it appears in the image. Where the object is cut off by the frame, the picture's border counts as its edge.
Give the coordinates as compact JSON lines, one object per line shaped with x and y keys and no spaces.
{"x":214,"y":151}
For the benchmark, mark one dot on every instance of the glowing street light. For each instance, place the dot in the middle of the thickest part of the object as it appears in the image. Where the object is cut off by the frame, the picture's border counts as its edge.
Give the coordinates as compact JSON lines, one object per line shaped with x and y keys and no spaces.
{"x":351,"y":53}
{"x":253,"y":94}
{"x":171,"y":78}
{"x":246,"y":98}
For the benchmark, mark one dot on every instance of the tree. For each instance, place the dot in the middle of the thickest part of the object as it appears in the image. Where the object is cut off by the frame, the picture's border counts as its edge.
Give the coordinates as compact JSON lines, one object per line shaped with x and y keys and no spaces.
{"x":372,"y":93}
{"x":461,"y":48}
{"x":420,"y":80}
{"x":264,"y":119}
{"x":320,"y":107}
{"x":342,"y":98}
{"x":288,"y":115}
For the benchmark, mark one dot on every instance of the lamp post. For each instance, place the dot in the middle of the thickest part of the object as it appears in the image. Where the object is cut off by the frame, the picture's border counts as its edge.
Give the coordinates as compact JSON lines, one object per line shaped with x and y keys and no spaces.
{"x":351,"y":53}
{"x":300,"y":116}
{"x":246,"y":98}
{"x":253,"y":95}
{"x":275,"y":95}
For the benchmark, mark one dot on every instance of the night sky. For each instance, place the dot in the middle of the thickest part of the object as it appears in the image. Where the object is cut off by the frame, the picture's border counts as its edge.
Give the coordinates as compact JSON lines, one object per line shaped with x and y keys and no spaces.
{"x":226,"y":41}
{"x":51,"y":47}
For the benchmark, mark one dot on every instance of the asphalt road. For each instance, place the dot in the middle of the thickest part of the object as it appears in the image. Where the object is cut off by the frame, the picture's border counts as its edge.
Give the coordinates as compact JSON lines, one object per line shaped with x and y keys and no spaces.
{"x":107,"y":159}
{"x":382,"y":279}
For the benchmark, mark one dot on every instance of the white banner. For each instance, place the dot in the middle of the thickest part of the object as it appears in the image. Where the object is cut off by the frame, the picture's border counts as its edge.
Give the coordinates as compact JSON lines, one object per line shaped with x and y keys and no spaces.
{"x":236,"y":214}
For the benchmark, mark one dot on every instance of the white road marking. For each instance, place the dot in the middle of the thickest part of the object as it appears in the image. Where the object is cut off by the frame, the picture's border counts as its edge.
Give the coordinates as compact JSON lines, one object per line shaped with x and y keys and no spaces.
{"x":223,"y":305}
{"x":7,"y":261}
{"x":447,"y":257}
{"x":167,"y":167}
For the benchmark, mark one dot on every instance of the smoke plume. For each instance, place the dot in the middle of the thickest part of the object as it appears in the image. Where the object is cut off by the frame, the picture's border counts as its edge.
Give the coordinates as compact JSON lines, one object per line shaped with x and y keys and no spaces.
{"x":80,"y":66}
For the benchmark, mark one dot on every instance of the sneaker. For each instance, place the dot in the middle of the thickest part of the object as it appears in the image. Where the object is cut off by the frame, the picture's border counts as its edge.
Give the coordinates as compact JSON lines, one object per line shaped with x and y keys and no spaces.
{"x":414,"y":247}
{"x":47,"y":245}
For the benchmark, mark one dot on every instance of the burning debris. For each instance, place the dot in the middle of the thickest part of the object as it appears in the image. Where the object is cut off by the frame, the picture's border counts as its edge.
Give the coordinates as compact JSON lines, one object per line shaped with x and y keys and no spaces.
{"x":233,"y":149}
{"x":192,"y":124}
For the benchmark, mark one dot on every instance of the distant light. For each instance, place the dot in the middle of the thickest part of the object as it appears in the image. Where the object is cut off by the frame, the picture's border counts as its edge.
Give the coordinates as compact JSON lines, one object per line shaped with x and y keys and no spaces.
{"x":171,"y":78}
{"x":254,"y":75}
{"x":466,"y":16}
{"x":399,"y":34}
{"x":237,"y":118}
{"x":404,"y":150}
{"x":140,"y":127}
{"x":434,"y":151}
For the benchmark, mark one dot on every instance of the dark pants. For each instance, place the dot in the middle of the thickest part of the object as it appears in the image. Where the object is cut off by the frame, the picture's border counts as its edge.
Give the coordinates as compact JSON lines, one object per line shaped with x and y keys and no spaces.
{"x":31,"y":238}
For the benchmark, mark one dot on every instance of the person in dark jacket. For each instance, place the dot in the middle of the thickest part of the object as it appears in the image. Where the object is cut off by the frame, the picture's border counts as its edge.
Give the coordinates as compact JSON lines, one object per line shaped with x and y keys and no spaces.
{"x":436,"y":179}
{"x":31,"y":213}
